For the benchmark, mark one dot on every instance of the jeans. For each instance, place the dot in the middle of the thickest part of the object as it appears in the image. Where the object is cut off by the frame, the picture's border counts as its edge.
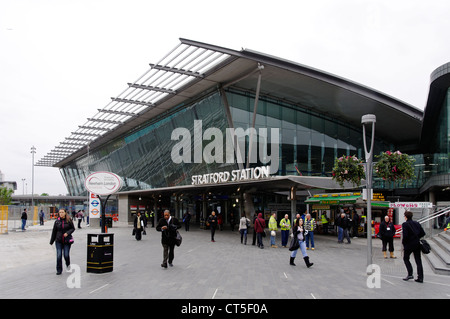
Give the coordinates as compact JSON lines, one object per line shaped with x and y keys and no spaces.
{"x":244,"y":235}
{"x":343,"y":233}
{"x":60,"y":249}
{"x":272,"y":240}
{"x":302,"y":248}
{"x":24,"y":223}
{"x":309,"y":236}
{"x":260,"y":240}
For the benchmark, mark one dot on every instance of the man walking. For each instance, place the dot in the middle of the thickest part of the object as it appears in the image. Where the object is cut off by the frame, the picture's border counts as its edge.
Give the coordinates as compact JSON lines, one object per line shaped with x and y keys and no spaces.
{"x":24,"y":218}
{"x":168,"y":226}
{"x":212,"y":220}
{"x":412,"y":232}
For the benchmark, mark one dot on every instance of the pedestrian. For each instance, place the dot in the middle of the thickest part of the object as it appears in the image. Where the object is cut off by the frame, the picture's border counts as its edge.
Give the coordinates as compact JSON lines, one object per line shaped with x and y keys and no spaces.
{"x":273,"y":228}
{"x":232,"y":221}
{"x":220,"y":221}
{"x":356,"y":222}
{"x":138,"y":224}
{"x":24,"y":218}
{"x":62,"y":237}
{"x":79,"y":218}
{"x":212,"y":220}
{"x":168,"y":226}
{"x":41,"y":217}
{"x":386,"y":233}
{"x":310,"y":226}
{"x":152,"y":218}
{"x":187,"y":220}
{"x":342,"y":223}
{"x":259,"y":225}
{"x":324,"y":223}
{"x":412,"y":232}
{"x":244,"y":224}
{"x":285,"y":225}
{"x":299,"y":233}
{"x":255,"y":216}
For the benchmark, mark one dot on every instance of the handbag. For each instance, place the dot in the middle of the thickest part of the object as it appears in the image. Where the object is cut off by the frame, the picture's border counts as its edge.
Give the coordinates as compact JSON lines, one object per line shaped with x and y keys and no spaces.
{"x":425,"y":246}
{"x":68,"y":240}
{"x":294,"y":245}
{"x":178,"y":239}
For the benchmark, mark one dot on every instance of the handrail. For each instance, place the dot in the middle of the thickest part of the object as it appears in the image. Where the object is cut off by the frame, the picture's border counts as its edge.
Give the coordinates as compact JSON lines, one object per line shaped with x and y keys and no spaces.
{"x":429,"y":217}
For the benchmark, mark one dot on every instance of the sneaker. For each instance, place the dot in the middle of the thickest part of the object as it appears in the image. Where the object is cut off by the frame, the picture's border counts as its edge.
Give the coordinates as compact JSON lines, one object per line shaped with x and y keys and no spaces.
{"x":68,"y":269}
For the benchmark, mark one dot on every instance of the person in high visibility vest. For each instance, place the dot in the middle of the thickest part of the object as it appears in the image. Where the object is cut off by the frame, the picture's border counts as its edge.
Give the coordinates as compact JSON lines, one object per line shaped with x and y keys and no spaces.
{"x":324,"y":223}
{"x":273,"y":228}
{"x":285,"y":225}
{"x":310,"y":226}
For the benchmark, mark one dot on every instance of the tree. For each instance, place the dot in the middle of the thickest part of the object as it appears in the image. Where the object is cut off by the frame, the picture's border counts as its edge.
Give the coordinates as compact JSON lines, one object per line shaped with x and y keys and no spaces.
{"x":5,"y":195}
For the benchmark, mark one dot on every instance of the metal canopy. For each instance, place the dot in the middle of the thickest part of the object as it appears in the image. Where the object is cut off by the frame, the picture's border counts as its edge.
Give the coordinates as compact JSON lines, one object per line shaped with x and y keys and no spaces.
{"x":186,"y":63}
{"x":193,"y":68}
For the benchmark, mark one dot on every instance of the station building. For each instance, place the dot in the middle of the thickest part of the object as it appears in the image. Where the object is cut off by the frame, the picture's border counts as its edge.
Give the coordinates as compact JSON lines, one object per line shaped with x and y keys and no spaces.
{"x":171,"y":136}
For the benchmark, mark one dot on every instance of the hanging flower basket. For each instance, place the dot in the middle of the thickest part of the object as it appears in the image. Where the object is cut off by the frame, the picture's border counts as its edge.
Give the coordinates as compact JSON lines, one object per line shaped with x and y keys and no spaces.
{"x":348,"y":169}
{"x":394,"y":166}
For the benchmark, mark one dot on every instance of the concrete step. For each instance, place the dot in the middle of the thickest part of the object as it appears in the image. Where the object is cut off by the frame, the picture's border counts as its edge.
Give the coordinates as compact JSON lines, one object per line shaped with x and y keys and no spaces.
{"x":439,"y":257}
{"x":446,"y":236}
{"x":436,"y":263}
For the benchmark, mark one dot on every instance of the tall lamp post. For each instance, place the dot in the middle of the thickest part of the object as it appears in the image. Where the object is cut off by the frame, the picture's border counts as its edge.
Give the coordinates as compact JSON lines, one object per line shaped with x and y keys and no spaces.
{"x":33,"y":151}
{"x":367,"y":120}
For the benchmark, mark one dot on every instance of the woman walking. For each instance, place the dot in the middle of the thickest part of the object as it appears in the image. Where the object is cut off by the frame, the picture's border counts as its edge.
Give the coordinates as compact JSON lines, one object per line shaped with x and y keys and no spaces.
{"x":62,"y":237}
{"x":387,"y":232}
{"x":244,"y":224}
{"x":299,"y":234}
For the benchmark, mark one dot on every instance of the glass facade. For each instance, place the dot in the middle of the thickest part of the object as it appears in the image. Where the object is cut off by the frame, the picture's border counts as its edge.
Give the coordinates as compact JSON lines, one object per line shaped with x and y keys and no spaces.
{"x":440,"y":150}
{"x":308,"y":143}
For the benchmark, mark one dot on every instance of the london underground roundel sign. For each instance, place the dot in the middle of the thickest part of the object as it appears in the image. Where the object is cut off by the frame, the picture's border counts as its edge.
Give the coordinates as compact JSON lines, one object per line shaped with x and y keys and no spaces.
{"x":103,"y":183}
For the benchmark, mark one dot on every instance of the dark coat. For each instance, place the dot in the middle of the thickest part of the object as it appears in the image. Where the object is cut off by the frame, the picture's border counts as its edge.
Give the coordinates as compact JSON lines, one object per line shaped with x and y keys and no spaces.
{"x":213,"y":220}
{"x":343,"y":222}
{"x":60,"y":227}
{"x":384,"y":233}
{"x":169,"y":235}
{"x":412,"y":232}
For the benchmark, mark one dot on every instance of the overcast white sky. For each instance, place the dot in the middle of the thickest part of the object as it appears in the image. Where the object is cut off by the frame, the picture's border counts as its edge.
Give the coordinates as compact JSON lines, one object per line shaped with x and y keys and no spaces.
{"x":61,"y":60}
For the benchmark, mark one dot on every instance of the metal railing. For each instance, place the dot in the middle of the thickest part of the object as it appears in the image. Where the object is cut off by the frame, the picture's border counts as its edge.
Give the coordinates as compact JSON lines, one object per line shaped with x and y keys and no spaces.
{"x":429,"y":218}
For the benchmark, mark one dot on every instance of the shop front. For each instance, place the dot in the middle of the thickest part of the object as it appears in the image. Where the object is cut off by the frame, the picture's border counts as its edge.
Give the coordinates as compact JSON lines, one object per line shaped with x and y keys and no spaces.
{"x":328,"y":206}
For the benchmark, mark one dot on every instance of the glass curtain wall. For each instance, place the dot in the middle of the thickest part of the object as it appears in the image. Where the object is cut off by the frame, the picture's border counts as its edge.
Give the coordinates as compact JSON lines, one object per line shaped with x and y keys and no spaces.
{"x":309,"y":143}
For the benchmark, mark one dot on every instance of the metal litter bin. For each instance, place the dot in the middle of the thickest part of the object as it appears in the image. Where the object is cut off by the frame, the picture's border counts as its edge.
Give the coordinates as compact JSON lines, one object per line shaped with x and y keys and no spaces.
{"x":100,"y":249}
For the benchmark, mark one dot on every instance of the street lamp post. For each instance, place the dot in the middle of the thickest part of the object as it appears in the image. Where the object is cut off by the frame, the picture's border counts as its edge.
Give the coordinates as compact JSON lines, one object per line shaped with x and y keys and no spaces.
{"x":33,"y":151}
{"x":367,"y":120}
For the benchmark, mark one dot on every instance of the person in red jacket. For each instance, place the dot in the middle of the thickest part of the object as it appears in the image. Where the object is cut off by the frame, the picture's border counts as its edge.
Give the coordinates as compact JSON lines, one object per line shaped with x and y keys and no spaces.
{"x":260,"y":224}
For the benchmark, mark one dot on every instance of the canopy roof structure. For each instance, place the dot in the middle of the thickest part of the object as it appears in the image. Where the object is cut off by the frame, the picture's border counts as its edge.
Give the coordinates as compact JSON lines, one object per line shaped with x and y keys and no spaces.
{"x":193,"y":68}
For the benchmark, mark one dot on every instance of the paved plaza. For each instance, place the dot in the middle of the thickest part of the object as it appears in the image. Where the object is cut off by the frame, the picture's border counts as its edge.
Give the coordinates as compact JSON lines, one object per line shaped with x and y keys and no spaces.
{"x":225,"y":269}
